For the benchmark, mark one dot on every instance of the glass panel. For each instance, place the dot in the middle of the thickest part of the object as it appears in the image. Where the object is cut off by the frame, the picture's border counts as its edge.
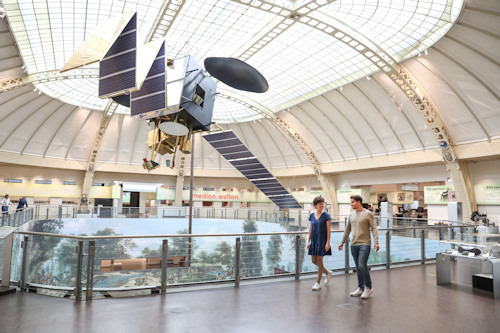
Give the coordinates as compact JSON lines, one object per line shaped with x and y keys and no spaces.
{"x":119,"y":264}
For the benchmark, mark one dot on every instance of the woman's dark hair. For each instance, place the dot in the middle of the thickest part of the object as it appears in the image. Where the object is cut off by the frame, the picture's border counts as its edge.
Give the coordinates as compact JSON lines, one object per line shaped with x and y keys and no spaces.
{"x":317,"y":200}
{"x":357,"y":198}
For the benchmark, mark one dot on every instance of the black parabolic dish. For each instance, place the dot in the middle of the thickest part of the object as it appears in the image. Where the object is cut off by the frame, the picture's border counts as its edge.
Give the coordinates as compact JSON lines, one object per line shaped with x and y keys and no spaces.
{"x":237,"y":74}
{"x":122,"y":99}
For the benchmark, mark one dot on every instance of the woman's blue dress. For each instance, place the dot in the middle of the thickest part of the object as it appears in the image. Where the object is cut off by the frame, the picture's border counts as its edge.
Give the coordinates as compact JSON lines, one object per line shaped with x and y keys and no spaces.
{"x":318,"y":235}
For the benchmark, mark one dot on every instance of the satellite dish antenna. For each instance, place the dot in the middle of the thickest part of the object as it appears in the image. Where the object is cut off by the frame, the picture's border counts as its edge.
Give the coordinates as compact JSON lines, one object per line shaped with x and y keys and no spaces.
{"x":237,"y":74}
{"x":172,"y":128}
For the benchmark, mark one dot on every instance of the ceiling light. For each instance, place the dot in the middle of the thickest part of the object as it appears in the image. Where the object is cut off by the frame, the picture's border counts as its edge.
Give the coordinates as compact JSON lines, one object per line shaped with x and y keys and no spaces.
{"x":2,"y":12}
{"x":426,"y":52}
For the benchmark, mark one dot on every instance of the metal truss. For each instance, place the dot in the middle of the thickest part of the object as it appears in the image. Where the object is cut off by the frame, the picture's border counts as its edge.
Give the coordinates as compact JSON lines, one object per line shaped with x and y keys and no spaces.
{"x":376,"y":55}
{"x":48,"y":76}
{"x":96,"y":145}
{"x":163,"y":22}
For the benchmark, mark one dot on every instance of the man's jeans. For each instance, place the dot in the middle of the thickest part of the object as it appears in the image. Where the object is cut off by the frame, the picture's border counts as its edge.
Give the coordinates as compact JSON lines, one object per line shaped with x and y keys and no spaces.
{"x":360,"y":253}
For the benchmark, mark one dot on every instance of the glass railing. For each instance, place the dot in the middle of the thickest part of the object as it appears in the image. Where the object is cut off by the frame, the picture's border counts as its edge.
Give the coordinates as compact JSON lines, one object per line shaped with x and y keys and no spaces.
{"x":106,"y":264}
{"x":16,"y":218}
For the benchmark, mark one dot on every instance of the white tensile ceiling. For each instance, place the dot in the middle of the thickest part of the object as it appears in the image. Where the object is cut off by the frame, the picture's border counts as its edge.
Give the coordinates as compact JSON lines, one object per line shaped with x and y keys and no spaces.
{"x":340,"y":103}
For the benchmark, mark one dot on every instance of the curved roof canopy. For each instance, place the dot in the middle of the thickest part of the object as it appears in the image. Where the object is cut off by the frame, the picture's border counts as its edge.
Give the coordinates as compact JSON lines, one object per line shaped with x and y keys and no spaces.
{"x":322,"y":82}
{"x":289,"y":43}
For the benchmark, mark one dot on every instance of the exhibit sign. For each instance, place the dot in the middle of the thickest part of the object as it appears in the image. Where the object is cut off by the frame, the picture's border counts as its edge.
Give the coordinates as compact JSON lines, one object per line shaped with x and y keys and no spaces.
{"x":344,"y":196}
{"x":400,"y":197}
{"x":439,"y":195}
{"x":396,"y":197}
{"x":487,"y":194}
{"x":163,"y":193}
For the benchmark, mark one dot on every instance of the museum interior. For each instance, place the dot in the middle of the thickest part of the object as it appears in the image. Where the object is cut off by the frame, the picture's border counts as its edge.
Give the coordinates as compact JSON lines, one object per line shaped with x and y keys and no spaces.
{"x":159,"y":161}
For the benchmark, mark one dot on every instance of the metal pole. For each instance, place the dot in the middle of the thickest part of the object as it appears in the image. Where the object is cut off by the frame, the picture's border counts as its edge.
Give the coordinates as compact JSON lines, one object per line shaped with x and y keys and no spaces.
{"x":388,"y":249}
{"x":237,"y":263}
{"x":297,"y":257}
{"x":164,"y":258}
{"x":191,"y":199}
{"x":90,"y":271}
{"x":78,"y":287}
{"x":422,"y":247}
{"x":24,"y":246}
{"x":346,"y":249}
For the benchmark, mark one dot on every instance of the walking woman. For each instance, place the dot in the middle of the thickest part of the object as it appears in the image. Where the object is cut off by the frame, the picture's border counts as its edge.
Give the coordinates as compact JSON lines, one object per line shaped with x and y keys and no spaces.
{"x":318,"y":242}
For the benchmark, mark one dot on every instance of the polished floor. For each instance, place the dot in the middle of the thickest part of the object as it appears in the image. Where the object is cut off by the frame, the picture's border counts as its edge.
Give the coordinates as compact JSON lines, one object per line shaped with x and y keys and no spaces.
{"x":405,"y":299}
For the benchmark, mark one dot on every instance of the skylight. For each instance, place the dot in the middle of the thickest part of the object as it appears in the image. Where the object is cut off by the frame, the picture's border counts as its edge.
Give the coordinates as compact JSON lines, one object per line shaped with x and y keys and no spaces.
{"x":299,"y":60}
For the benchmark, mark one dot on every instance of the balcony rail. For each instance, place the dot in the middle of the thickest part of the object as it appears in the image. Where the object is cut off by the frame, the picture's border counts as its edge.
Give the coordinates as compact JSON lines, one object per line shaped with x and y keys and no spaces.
{"x":89,"y":267}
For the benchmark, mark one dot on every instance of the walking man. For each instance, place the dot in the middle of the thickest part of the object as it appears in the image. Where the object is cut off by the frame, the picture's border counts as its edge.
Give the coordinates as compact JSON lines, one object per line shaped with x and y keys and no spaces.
{"x":360,"y":223}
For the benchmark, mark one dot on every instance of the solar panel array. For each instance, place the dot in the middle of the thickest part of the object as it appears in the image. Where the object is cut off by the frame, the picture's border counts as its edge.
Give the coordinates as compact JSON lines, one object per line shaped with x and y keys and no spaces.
{"x":117,"y":68}
{"x":233,"y":150}
{"x":153,"y":93}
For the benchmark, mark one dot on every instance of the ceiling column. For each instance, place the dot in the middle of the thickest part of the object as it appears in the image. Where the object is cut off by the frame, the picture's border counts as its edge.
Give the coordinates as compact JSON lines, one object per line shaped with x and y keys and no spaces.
{"x":96,"y":146}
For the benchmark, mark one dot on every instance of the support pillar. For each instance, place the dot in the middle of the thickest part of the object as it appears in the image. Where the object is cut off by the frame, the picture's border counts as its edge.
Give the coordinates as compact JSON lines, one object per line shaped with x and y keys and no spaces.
{"x":464,"y":190}
{"x":179,"y":188}
{"x":328,"y":185}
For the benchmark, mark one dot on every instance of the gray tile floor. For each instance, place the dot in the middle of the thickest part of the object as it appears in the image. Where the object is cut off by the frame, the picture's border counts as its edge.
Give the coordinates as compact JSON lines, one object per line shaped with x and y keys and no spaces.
{"x":405,"y":299}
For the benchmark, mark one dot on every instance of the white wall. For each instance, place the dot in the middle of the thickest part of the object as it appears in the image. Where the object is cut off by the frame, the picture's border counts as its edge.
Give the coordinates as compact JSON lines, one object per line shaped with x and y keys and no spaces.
{"x":437,"y":212}
{"x":486,"y":172}
{"x":394,"y":176}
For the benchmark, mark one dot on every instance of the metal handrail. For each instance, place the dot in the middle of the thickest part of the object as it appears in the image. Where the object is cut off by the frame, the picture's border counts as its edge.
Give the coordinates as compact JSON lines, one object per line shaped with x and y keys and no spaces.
{"x":218,"y":235}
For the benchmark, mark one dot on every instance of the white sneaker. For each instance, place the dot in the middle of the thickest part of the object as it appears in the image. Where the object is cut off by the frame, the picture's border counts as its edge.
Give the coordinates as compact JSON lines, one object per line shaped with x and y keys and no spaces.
{"x":366,"y":293}
{"x":328,"y":277}
{"x":356,"y":293}
{"x":316,"y":286}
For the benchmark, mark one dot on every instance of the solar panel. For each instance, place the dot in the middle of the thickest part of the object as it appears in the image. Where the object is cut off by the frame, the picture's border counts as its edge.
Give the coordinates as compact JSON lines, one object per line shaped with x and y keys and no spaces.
{"x":153,"y":94}
{"x":229,"y":146}
{"x":117,"y":68}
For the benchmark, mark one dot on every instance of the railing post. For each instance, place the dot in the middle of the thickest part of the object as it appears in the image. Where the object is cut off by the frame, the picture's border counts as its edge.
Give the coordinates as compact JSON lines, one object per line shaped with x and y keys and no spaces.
{"x":164,"y":264}
{"x":266,"y":217}
{"x":346,"y":249}
{"x":388,"y":249}
{"x":59,"y":212}
{"x":297,"y":257}
{"x":79,"y":262}
{"x":90,"y":271}
{"x":422,"y":247}
{"x":414,"y":230}
{"x":237,"y":263}
{"x":24,"y":262}
{"x":47,"y":217}
{"x":300,"y":217}
{"x":249,"y":214}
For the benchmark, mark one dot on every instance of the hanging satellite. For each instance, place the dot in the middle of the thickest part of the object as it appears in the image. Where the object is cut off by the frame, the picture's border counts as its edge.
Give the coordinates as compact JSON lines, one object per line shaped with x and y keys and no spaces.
{"x":175,"y":95}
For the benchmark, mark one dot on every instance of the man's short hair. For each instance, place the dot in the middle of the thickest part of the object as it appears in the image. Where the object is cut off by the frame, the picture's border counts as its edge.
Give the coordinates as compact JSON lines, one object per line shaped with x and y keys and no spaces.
{"x":317,"y":200}
{"x":357,"y":197}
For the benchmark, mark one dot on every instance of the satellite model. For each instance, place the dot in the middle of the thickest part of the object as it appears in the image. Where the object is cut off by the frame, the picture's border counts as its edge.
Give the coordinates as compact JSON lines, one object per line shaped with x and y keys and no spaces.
{"x":175,"y":95}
